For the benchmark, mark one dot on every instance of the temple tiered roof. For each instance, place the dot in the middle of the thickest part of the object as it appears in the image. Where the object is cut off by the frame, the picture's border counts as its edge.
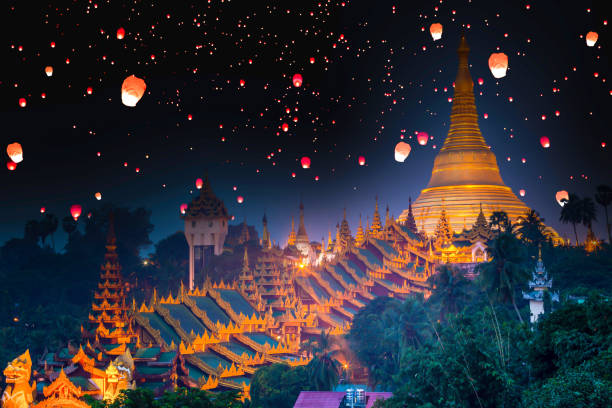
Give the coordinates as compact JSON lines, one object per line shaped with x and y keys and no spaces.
{"x":206,"y":205}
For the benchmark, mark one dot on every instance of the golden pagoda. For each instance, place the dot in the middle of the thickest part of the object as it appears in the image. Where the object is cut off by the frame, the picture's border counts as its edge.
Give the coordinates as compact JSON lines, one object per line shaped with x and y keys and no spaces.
{"x":465,"y":172}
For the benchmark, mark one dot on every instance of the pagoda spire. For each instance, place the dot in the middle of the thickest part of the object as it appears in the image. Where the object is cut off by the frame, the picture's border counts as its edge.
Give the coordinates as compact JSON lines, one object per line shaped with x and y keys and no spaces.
{"x":376,"y":225}
{"x":245,"y":260}
{"x":291,"y":240}
{"x":265,"y":237}
{"x":359,"y":236}
{"x":410,"y":222}
{"x":387,"y":219}
{"x":301,"y":234}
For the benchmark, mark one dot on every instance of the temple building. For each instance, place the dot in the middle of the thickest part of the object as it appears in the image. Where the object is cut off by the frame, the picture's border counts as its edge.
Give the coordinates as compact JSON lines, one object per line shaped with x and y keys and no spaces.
{"x":465,"y":174}
{"x":538,"y":286}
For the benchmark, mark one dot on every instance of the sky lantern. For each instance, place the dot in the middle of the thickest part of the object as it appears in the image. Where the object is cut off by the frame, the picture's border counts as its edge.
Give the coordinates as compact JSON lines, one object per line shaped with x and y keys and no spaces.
{"x":15,"y":152}
{"x":183,"y":208}
{"x":305,"y":162}
{"x":522,"y":192}
{"x":591,"y":38}
{"x":562,"y":197}
{"x":132,"y":90}
{"x":89,"y":90}
{"x":498,"y":64}
{"x":436,"y":31}
{"x":49,"y":70}
{"x":120,"y":33}
{"x":285,"y":127}
{"x":242,"y":82}
{"x":422,"y":138}
{"x":199,"y":183}
{"x":402,"y":150}
{"x":42,"y":210}
{"x":297,"y":80}
{"x":22,"y":102}
{"x":545,"y":142}
{"x":98,"y":196}
{"x":11,"y":165}
{"x":75,"y":211}
{"x":361,"y":160}
{"x":240,"y":199}
{"x":480,"y":81}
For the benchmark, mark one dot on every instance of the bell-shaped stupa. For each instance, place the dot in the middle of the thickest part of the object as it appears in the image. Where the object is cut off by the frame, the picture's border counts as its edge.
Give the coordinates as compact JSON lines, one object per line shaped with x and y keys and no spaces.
{"x":465,"y":173}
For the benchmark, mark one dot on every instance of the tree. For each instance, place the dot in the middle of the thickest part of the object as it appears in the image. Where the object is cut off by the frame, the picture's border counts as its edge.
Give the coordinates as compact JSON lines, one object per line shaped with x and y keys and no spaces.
{"x":531,"y":228}
{"x":170,"y":262}
{"x":69,"y":225}
{"x":499,"y":221}
{"x":505,"y":271}
{"x":278,"y":385}
{"x":588,"y":212}
{"x":48,"y":226}
{"x":449,"y":289}
{"x":32,"y":231}
{"x":603,"y":197}
{"x":324,"y":369}
{"x":571,"y":213}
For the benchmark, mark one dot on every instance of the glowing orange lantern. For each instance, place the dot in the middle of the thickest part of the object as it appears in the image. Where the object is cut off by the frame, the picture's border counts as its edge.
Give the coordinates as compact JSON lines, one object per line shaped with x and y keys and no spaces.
{"x":545,"y":142}
{"x":15,"y":152}
{"x":75,"y":211}
{"x":498,"y":64}
{"x":11,"y":165}
{"x":199,"y":184}
{"x":132,"y":90}
{"x":49,"y":70}
{"x":98,"y":196}
{"x":42,"y":210}
{"x":436,"y":31}
{"x":402,"y":150}
{"x":240,"y":199}
{"x":305,"y":162}
{"x":591,"y":38}
{"x":89,"y":90}
{"x":361,"y":160}
{"x":22,"y":102}
{"x":422,"y":138}
{"x":297,"y":80}
{"x":285,"y":127}
{"x":522,"y":192}
{"x":562,"y":197}
{"x":480,"y":81}
{"x":242,"y":82}
{"x":183,"y":208}
{"x":120,"y":33}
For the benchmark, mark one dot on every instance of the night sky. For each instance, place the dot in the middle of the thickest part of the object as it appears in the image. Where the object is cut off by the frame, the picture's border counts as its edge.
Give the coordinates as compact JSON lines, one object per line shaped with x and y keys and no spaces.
{"x":376,"y":75}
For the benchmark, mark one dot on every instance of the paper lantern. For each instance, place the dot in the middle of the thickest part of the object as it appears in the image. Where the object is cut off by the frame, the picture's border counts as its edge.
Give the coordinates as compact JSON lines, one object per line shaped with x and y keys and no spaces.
{"x":22,"y":102}
{"x":498,"y":64}
{"x":132,"y":90}
{"x":545,"y":142}
{"x":42,"y":210}
{"x":522,"y":192}
{"x":240,"y":199}
{"x":402,"y":150}
{"x":120,"y":33}
{"x":305,"y":162}
{"x":422,"y":138}
{"x":562,"y":197}
{"x":183,"y":208}
{"x":11,"y":165}
{"x":75,"y":211}
{"x":199,"y":183}
{"x":285,"y":127}
{"x":15,"y":152}
{"x":297,"y":80}
{"x":591,"y":38}
{"x":242,"y":82}
{"x":361,"y":160}
{"x":436,"y":31}
{"x":98,"y":196}
{"x":89,"y":90}
{"x":49,"y":70}
{"x":480,"y":81}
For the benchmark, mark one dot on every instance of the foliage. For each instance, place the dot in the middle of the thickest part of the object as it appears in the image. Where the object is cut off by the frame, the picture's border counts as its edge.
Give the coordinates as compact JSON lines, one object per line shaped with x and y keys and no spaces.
{"x":451,"y":290}
{"x":603,"y":197}
{"x":182,"y":397}
{"x":278,"y":386}
{"x":571,"y":213}
{"x":531,"y":229}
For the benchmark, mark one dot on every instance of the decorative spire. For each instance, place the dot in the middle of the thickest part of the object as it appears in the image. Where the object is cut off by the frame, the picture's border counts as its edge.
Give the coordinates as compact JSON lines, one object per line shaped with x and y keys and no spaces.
{"x":410,"y":222}
{"x":302,"y":236}
{"x":359,"y":236}
{"x":291,"y":240}
{"x":387,"y":219}
{"x":481,"y":231}
{"x":265,"y":238}
{"x":376,"y":223}
{"x":245,"y":261}
{"x":443,"y":234}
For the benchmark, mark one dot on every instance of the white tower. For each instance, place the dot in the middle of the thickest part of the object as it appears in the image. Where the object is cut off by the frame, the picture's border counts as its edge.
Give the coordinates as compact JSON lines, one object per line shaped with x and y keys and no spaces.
{"x":206,"y":225}
{"x":538,"y":284}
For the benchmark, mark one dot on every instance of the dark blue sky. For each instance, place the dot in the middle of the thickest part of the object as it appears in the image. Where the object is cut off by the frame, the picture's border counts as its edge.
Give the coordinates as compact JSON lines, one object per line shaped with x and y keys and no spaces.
{"x":366,"y":58}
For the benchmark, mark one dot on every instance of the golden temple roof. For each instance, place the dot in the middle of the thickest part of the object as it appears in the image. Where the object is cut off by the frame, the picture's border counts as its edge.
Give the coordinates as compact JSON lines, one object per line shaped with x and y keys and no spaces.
{"x":206,"y":205}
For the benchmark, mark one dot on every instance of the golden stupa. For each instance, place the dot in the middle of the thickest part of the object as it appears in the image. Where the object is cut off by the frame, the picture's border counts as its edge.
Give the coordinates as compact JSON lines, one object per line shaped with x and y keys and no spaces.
{"x":465,"y":173}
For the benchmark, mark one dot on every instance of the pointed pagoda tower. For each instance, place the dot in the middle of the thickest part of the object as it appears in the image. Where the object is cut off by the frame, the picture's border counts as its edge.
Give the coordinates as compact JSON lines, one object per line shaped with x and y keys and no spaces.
{"x":409,"y":221}
{"x":465,"y":171}
{"x":376,"y":226}
{"x":291,"y":239}
{"x":265,"y":237}
{"x":301,"y":241}
{"x":360,"y":235}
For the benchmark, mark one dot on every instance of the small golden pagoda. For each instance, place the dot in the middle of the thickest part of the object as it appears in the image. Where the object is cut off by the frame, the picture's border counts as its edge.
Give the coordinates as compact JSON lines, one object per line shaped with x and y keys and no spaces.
{"x":465,"y":172}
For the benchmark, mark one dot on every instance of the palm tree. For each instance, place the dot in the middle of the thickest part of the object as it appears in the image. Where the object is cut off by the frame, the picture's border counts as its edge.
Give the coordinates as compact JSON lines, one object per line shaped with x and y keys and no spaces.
{"x":33,"y":231}
{"x":571,"y":213}
{"x":505,"y":270}
{"x":531,"y":228}
{"x":589,"y":214}
{"x":499,"y":221}
{"x":323,"y":369}
{"x":604,"y":198}
{"x":48,"y":226}
{"x":413,"y":323}
{"x":449,"y":289}
{"x":69,"y":225}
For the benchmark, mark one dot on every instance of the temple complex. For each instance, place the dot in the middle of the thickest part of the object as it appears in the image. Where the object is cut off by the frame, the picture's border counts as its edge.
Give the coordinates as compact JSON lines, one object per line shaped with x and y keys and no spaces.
{"x":465,"y":174}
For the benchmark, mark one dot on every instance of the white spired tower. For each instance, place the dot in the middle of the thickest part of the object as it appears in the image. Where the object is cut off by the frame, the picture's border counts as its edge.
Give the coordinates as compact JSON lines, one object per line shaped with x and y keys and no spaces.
{"x":538,"y":284}
{"x":206,"y":224}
